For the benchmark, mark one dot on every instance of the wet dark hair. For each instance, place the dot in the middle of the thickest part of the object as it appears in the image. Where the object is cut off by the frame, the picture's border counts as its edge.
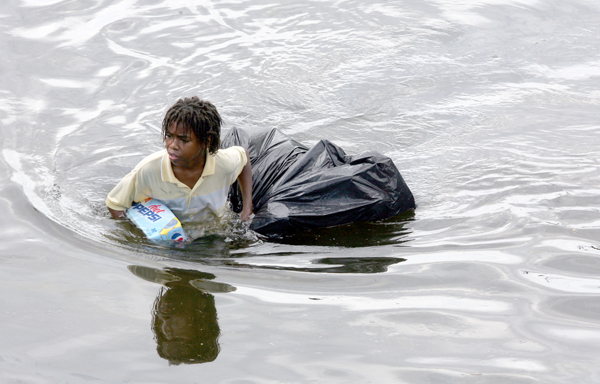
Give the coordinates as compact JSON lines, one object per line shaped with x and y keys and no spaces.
{"x":199,"y":116}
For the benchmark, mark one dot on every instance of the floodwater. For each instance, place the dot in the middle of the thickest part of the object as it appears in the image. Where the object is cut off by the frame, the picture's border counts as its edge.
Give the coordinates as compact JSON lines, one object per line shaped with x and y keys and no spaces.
{"x":490,"y":109}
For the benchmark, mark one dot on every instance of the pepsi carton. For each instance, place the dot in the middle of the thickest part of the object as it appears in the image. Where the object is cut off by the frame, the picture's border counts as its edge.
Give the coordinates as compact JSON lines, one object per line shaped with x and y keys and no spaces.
{"x":157,"y":221}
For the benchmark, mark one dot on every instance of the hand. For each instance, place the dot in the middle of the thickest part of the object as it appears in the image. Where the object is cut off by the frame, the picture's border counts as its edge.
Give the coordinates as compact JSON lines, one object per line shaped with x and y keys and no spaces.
{"x":117,"y":214}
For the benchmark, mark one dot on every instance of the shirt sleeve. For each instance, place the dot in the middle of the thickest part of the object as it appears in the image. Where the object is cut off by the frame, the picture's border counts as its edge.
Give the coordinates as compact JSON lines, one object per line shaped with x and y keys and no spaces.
{"x":125,"y":192}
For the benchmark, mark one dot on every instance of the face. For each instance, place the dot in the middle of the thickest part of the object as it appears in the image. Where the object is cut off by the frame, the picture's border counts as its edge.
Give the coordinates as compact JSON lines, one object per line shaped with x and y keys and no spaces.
{"x":184,"y":149}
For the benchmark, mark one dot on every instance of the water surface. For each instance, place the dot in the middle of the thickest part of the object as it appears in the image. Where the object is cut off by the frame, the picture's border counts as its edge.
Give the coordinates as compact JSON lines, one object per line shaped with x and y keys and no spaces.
{"x":489,"y":109}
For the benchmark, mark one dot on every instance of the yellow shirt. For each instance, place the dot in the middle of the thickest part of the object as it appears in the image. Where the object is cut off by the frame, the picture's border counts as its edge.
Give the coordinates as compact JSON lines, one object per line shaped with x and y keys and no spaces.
{"x":154,"y":177}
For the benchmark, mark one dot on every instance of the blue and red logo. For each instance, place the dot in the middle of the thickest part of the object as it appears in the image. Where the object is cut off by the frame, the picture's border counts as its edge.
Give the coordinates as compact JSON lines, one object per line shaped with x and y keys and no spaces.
{"x":177,"y":237}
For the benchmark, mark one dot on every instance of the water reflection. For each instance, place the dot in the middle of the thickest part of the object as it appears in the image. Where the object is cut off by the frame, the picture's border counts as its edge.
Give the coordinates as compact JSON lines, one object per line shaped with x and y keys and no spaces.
{"x":392,"y":231}
{"x":216,"y":250}
{"x":184,"y":315}
{"x":336,"y":265}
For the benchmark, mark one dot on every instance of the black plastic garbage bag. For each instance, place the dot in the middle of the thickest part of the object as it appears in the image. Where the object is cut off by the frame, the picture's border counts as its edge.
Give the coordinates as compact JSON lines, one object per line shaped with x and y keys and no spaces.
{"x":296,"y":188}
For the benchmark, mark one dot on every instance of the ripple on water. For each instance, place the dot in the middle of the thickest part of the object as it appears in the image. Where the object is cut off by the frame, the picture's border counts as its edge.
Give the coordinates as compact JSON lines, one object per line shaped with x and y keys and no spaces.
{"x":490,"y":115}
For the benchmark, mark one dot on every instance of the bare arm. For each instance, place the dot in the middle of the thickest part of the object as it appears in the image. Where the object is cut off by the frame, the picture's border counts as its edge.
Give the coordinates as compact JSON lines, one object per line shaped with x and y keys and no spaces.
{"x":245,"y":181}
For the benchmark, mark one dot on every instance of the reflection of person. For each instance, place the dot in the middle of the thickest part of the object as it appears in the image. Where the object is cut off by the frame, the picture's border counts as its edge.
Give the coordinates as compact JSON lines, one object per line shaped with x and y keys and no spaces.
{"x":184,"y":319}
{"x":191,"y":175}
{"x":185,"y":325}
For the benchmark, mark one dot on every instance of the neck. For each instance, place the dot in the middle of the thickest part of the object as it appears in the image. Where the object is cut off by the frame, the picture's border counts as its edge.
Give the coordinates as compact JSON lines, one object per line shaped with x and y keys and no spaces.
{"x":189,"y":174}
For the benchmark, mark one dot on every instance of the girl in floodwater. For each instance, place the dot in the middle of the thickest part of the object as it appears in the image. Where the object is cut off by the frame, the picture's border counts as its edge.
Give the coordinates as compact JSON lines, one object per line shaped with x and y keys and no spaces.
{"x":191,"y":175}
